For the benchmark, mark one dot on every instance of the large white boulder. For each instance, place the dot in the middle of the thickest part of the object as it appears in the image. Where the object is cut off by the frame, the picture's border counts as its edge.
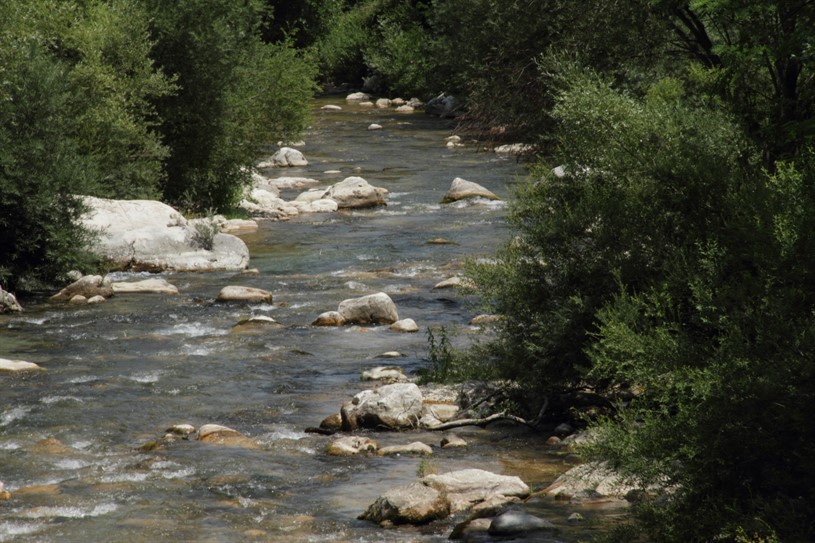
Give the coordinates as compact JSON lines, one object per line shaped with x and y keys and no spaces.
{"x":372,"y":309}
{"x":388,"y":407}
{"x":356,"y":192}
{"x":461,"y":189}
{"x":146,"y":235}
{"x":286,"y":157}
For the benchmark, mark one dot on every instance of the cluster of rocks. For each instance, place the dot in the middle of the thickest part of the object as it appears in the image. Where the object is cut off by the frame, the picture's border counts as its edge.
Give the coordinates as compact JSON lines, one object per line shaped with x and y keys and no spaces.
{"x":371,"y":309}
{"x":213,"y":434}
{"x":363,"y":99}
{"x":93,"y":289}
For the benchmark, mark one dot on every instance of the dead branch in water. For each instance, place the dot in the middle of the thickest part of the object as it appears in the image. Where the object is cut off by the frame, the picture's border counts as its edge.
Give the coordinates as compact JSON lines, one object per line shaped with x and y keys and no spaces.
{"x":503,"y":415}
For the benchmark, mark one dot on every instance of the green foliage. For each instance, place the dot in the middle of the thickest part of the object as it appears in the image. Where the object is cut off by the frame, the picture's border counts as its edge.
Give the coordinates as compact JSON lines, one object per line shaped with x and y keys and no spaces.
{"x":235,"y":93}
{"x":340,"y":50}
{"x":75,"y":119}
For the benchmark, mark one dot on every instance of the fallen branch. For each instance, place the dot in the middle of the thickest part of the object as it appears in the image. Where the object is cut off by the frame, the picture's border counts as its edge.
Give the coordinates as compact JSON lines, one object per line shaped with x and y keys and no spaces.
{"x":503,"y":415}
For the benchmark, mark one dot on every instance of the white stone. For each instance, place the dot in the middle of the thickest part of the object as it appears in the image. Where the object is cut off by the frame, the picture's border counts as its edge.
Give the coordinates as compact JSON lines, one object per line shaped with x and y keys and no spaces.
{"x":287,"y":157}
{"x":372,"y":309}
{"x":461,"y":189}
{"x":374,"y":126}
{"x":18,"y":365}
{"x":155,"y":286}
{"x":351,"y":446}
{"x":468,"y":487}
{"x":514,"y":149}
{"x":383,"y":103}
{"x":384,"y":373}
{"x":331,"y":107}
{"x":235,"y":293}
{"x":405,"y":325}
{"x":356,"y":192}
{"x":391,"y":406}
{"x":357,"y":97}
{"x":405,"y":109}
{"x":417,"y":447}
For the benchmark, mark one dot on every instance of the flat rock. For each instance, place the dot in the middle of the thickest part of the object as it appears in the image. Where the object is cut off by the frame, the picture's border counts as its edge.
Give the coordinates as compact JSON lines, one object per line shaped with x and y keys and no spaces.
{"x":331,"y":107}
{"x":592,"y":480}
{"x":18,"y":365}
{"x":417,"y":447}
{"x":452,"y":441}
{"x":411,"y":504}
{"x":351,"y":446}
{"x":152,"y":286}
{"x":461,"y":189}
{"x":468,"y":487}
{"x":235,"y":293}
{"x":358,"y":97}
{"x":384,"y":373}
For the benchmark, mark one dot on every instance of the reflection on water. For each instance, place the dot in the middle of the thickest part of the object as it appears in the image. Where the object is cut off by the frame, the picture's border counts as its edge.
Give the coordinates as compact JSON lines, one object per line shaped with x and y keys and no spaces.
{"x":119,"y":373}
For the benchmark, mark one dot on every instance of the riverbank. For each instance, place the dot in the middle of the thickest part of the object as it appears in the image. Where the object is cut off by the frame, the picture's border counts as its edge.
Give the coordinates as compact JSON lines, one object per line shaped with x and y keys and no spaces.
{"x":118,"y":374}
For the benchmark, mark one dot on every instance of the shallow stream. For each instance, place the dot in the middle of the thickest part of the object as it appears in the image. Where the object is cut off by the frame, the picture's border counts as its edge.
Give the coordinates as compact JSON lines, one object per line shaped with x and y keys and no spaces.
{"x":119,"y":373}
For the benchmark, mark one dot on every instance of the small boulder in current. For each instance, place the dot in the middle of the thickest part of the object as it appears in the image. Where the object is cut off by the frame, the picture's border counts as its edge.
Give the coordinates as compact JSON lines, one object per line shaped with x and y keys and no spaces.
{"x":287,"y":157}
{"x":461,"y":189}
{"x":351,"y":446}
{"x":411,"y":504}
{"x":234,"y":293}
{"x":372,"y":309}
{"x":88,"y":286}
{"x":355,"y":193}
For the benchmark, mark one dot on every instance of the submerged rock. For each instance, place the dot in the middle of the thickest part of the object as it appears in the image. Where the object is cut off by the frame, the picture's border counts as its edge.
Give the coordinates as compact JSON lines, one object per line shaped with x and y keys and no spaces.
{"x":221,"y":435}
{"x":515,"y":522}
{"x":461,"y":189}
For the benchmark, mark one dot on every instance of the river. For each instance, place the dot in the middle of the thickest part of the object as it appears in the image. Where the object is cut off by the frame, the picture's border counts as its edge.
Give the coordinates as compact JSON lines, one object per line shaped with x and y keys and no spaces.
{"x":119,"y":373}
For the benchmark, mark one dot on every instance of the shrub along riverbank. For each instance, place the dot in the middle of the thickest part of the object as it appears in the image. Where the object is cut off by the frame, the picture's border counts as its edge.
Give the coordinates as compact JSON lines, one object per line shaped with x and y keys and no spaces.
{"x":668,"y":263}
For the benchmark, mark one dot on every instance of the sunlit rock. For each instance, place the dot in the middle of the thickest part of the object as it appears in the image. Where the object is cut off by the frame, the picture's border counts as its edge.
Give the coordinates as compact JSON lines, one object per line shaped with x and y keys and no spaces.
{"x":88,"y":286}
{"x":18,"y":365}
{"x":396,"y":406}
{"x":589,"y":481}
{"x":288,"y":157}
{"x":417,"y":447}
{"x":515,"y":149}
{"x":262,"y":203}
{"x":154,"y":285}
{"x":78,"y":299}
{"x":383,"y":103}
{"x":391,"y":374}
{"x":355,"y":193}
{"x":331,"y":107}
{"x":374,"y":126}
{"x":405,"y":326}
{"x":513,"y":522}
{"x":358,"y":97}
{"x":235,"y":293}
{"x":468,"y":487}
{"x":351,"y":446}
{"x":372,"y":309}
{"x":405,"y":109}
{"x":329,"y":318}
{"x":8,"y":302}
{"x":461,"y":189}
{"x":221,"y":435}
{"x":453,"y":441}
{"x":411,"y":504}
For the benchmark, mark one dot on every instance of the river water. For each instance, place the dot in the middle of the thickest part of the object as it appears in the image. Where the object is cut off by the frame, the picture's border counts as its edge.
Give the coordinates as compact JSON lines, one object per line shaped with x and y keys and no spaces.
{"x":119,"y":373}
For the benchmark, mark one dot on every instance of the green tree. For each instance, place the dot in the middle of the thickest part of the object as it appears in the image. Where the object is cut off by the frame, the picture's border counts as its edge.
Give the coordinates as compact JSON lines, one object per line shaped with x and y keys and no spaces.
{"x":235,"y":93}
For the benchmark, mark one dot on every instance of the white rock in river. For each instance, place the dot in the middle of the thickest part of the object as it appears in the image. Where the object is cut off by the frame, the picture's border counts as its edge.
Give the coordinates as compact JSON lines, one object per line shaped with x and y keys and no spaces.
{"x":356,"y":192}
{"x":17,"y":365}
{"x":417,"y":447}
{"x":372,"y":309}
{"x":357,"y":97}
{"x":331,"y":107}
{"x":87,"y":286}
{"x":145,"y":235}
{"x":234,"y":293}
{"x":391,"y":406}
{"x":154,"y":286}
{"x":405,"y":325}
{"x":384,"y":373}
{"x":467,"y":487}
{"x":351,"y":446}
{"x":461,"y":189}
{"x":383,"y":103}
{"x":374,"y":126}
{"x":411,"y":504}
{"x":286,"y":156}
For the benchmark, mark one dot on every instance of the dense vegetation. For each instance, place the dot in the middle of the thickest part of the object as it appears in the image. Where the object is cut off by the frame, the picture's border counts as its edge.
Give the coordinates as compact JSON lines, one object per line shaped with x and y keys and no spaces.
{"x":669,"y":265}
{"x":131,"y":99}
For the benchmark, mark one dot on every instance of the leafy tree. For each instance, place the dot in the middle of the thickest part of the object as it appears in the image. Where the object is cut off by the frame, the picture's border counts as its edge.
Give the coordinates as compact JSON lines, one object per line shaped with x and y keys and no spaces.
{"x":75,"y":119}
{"x":234,"y":94}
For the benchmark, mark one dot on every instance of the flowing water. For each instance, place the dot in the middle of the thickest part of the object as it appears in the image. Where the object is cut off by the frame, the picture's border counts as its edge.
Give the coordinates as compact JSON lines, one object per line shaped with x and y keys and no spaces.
{"x":119,"y":373}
